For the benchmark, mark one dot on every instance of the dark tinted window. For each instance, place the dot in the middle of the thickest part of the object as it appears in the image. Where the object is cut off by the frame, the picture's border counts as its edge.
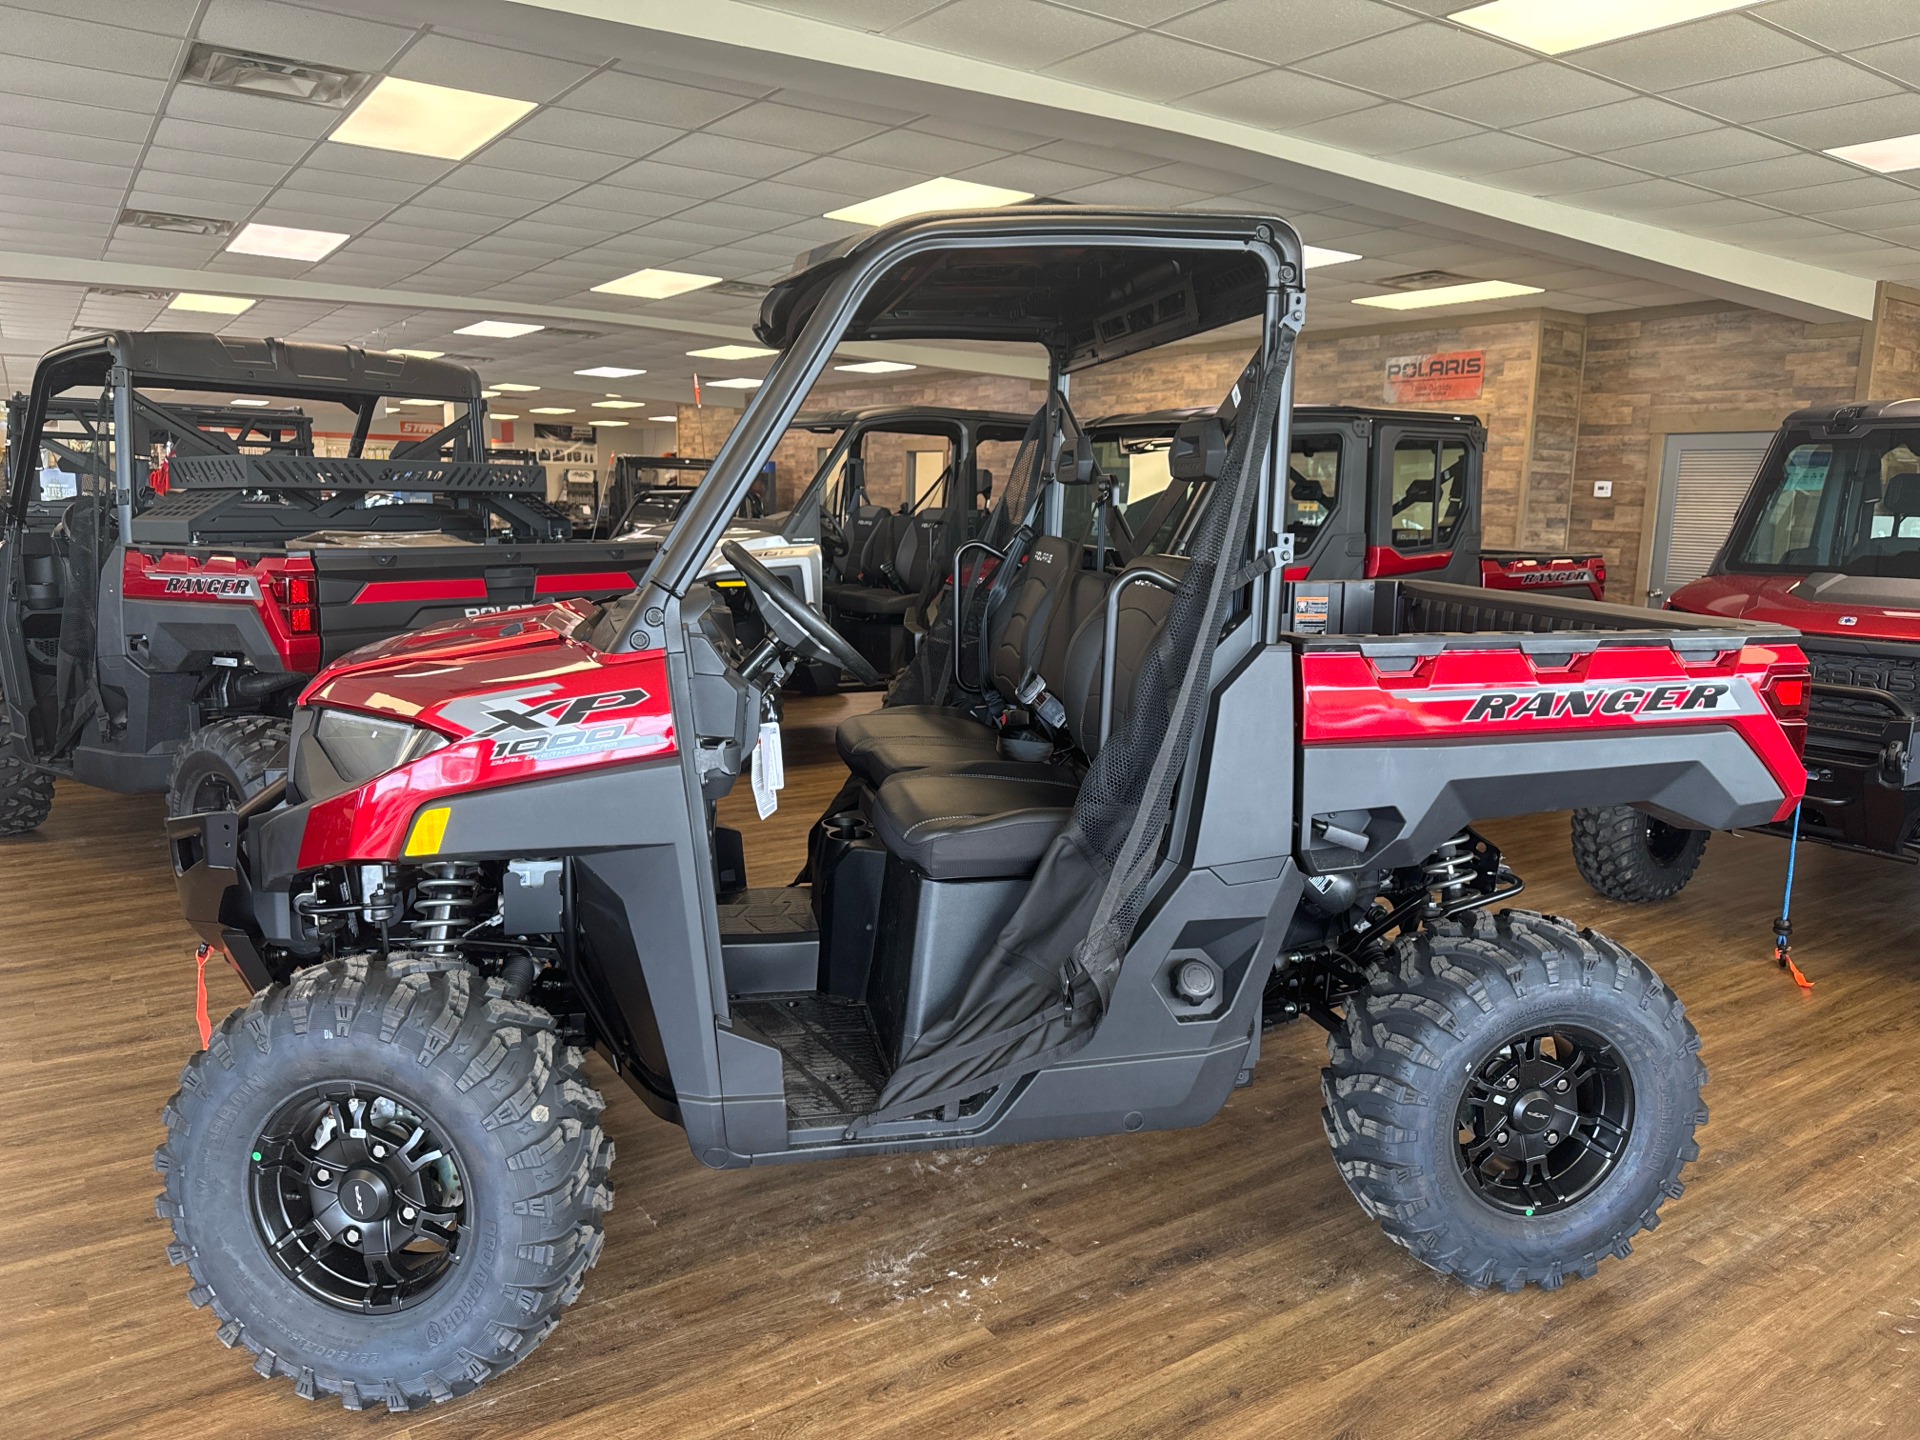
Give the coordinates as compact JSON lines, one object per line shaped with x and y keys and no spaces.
{"x":1850,"y":505}
{"x":1429,"y":492}
{"x":1313,"y":487}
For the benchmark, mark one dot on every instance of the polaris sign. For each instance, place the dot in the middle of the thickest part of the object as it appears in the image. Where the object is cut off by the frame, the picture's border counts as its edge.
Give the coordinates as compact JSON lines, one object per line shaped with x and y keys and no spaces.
{"x":1422,"y":379}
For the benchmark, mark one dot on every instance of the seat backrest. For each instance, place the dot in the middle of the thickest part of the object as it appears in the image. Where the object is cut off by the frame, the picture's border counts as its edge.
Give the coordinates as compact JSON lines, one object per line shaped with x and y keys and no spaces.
{"x":1017,"y":631}
{"x":1140,"y":614}
{"x":920,"y":548}
{"x":876,"y":558}
{"x":859,"y":531}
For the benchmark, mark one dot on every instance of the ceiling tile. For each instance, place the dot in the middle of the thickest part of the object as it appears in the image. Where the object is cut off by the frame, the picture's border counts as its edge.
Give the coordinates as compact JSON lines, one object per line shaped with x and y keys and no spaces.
{"x":240,"y":111}
{"x":444,"y":60}
{"x":1693,"y":53}
{"x":1846,"y":27}
{"x":638,"y":204}
{"x":300,"y":31}
{"x":779,"y":196}
{"x":1642,"y":198}
{"x":201,"y":162}
{"x":1517,"y":97}
{"x":1874,"y":219}
{"x":671,"y":179}
{"x":1199,"y":177}
{"x":922,"y":153}
{"x":382,"y":164}
{"x":1480,"y":153}
{"x":1709,"y":150}
{"x":15,"y":161}
{"x":37,"y":35}
{"x":320,"y":212}
{"x":1414,"y":60}
{"x":1131,"y":190}
{"x":578,"y":130}
{"x":310,"y":181}
{"x":561,"y":160}
{"x":29,"y":112}
{"x":454,"y":222}
{"x":1095,"y":157}
{"x":1569,"y":178}
{"x":1900,"y":59}
{"x":847,"y":107}
{"x":1032,"y":174}
{"x":1281,"y":31}
{"x":788,"y":125}
{"x":738,"y":218}
{"x":1154,"y":67}
{"x":851,"y":177}
{"x":521,"y":184}
{"x":593,"y":220}
{"x":1383,"y":128}
{"x":660,"y":102}
{"x":27,"y":140}
{"x":1639,"y":121}
{"x":1772,"y":231}
{"x":974,"y":133}
{"x":1817,"y":200}
{"x":871,"y":15}
{"x":21,"y":75}
{"x":1009,"y":32}
{"x":1278,"y":100}
{"x":1848,"y":124}
{"x":186,"y":192}
{"x":701,"y":151}
{"x":540,"y":232}
{"x":1788,"y":173}
{"x":1789,"y":90}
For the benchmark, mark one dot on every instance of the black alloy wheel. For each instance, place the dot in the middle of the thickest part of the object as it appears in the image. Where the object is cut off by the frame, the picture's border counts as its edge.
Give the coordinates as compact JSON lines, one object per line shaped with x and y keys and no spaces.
{"x":358,"y":1198}
{"x":1544,"y":1120}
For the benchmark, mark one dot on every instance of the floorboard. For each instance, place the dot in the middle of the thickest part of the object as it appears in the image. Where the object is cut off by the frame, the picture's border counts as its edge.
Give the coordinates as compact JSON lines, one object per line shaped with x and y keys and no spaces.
{"x":1217,"y":1281}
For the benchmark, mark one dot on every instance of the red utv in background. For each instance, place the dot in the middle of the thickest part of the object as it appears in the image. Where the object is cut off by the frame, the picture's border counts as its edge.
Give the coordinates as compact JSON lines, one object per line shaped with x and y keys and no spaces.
{"x":1827,"y":541}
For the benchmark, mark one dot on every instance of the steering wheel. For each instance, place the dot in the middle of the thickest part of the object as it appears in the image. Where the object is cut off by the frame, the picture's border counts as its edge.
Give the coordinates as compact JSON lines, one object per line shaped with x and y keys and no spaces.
{"x":794,"y":623}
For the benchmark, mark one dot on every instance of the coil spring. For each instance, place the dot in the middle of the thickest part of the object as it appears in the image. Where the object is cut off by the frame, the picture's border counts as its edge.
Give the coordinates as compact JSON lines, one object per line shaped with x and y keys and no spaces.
{"x":446,"y":904}
{"x":1450,"y":871}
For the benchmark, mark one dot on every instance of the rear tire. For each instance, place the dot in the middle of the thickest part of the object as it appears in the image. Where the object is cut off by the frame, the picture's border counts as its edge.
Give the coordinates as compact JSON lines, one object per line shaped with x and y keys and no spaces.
{"x":1504,"y":1184}
{"x":1628,"y":855}
{"x":227,"y":763}
{"x":494,"y":1238}
{"x":26,"y":794}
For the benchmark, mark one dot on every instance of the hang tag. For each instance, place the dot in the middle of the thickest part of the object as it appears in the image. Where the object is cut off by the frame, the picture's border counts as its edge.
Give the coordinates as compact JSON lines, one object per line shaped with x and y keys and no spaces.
{"x":769,"y":770}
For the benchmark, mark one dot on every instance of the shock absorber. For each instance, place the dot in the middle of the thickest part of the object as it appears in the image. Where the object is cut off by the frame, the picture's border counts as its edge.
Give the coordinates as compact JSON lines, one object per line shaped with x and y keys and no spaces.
{"x":1450,"y":873}
{"x":446,"y":905}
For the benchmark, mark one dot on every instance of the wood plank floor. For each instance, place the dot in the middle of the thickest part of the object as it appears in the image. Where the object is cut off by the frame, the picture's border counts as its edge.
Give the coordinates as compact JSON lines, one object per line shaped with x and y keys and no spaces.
{"x":1217,"y":1281}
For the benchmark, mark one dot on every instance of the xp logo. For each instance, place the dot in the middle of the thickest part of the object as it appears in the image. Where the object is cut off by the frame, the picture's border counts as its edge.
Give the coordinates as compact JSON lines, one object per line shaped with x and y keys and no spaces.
{"x":546,"y":726}
{"x":213,"y":587}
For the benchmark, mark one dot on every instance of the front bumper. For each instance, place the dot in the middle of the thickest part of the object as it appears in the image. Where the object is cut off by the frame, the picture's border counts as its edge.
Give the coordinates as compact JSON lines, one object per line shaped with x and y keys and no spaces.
{"x":1863,"y":772}
{"x":209,"y":874}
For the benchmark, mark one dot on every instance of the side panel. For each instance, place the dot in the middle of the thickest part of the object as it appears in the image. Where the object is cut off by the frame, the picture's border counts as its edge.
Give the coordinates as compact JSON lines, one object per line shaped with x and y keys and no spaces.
{"x":1246,"y":813}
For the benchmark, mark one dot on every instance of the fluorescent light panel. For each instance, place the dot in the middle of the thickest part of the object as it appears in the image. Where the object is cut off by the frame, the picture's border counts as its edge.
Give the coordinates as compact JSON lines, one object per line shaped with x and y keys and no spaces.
{"x":419,"y":354}
{"x":1554,"y":27}
{"x":420,"y":119}
{"x":501,"y":415}
{"x":618,"y":404}
{"x":597,"y":422}
{"x":249,"y":403}
{"x":877,"y":367}
{"x":509,"y":385}
{"x":1902,"y":152}
{"x":1449,"y":295}
{"x":210,"y":304}
{"x":664,"y":419}
{"x":940,"y":193}
{"x":740,"y":382}
{"x":610,"y":372}
{"x":552,"y":410}
{"x":286,"y":242}
{"x":732,"y":352}
{"x":656,"y":284}
{"x":499,"y":329}
{"x":1314,"y":256}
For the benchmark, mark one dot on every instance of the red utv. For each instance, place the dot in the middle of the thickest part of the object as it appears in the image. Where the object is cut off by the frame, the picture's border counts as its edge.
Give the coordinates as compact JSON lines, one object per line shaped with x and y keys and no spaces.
{"x":495,"y":847}
{"x":1827,"y":541}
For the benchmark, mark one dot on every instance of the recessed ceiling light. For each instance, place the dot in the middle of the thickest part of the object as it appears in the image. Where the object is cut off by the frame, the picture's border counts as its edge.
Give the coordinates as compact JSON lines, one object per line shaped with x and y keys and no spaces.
{"x":1554,"y":27}
{"x":175,"y":224}
{"x":732,"y":352}
{"x":1313,"y":256}
{"x":610,"y":372}
{"x":210,"y":304}
{"x":286,"y":242}
{"x":1902,"y":152}
{"x":739,"y":382}
{"x":419,"y":119}
{"x":250,"y":404}
{"x":656,"y":284}
{"x":1449,"y":295}
{"x":552,"y":410}
{"x":416,"y":402}
{"x":499,"y":329}
{"x":597,"y":422}
{"x":502,"y":415}
{"x":937,"y":194}
{"x":278,"y":76}
{"x":517,"y":389}
{"x":664,"y":419}
{"x":618,"y":404}
{"x":419,"y":354}
{"x":877,"y":367}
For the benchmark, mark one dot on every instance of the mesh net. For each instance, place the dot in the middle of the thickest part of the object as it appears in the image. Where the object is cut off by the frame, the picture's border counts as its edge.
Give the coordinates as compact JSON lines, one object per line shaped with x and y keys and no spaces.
{"x":1038,"y":994}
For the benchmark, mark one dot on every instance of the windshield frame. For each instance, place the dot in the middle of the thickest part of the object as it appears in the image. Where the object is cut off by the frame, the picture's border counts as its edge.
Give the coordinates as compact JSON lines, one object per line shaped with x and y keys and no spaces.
{"x":1768,"y":481}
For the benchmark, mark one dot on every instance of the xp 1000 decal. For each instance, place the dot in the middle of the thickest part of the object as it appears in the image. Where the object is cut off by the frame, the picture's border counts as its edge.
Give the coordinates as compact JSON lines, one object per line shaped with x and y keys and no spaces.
{"x":533,"y":722}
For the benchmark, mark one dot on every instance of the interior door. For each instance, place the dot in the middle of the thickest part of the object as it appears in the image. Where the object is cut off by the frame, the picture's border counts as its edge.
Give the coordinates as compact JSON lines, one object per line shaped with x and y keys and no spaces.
{"x":1703,"y":479}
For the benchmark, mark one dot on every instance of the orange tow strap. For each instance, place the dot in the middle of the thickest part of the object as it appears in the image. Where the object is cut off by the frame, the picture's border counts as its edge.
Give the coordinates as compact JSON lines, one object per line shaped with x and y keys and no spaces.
{"x":1782,"y":926}
{"x":200,"y":958}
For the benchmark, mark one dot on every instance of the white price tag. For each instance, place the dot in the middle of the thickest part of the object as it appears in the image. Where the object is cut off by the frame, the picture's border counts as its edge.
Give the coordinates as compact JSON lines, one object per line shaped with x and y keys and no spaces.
{"x":769,"y":770}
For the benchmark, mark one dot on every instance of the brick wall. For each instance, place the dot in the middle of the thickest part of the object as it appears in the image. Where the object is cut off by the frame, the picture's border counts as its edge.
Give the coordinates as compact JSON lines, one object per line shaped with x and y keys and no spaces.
{"x":1893,"y":368}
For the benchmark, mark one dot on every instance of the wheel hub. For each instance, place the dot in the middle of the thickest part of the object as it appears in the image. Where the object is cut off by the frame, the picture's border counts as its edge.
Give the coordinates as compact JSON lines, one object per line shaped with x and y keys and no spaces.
{"x":357,"y":1200}
{"x":1543,"y":1120}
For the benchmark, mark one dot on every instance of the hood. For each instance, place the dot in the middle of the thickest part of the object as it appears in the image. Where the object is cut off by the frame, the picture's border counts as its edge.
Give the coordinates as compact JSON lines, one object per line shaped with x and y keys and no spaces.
{"x":1853,"y":607}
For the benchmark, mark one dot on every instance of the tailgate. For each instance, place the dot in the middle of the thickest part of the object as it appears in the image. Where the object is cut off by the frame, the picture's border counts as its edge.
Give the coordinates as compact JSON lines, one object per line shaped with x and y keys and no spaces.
{"x":372,"y":594}
{"x":1521,"y":570}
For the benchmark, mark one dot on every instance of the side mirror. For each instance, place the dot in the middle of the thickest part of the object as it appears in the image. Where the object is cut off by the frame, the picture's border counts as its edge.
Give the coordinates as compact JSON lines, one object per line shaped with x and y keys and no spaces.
{"x":1199,"y":449}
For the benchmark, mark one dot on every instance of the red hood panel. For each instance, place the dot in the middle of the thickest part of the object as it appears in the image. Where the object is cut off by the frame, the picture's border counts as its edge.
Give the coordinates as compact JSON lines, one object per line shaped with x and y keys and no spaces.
{"x":1771,"y":598}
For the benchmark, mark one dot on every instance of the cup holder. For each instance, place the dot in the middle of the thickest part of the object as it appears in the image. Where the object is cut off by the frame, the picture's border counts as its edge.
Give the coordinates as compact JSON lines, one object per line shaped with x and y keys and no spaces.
{"x":850,"y":826}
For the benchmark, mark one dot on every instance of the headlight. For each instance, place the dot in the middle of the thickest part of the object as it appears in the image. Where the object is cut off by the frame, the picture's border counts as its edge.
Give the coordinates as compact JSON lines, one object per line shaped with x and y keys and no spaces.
{"x":363,"y":746}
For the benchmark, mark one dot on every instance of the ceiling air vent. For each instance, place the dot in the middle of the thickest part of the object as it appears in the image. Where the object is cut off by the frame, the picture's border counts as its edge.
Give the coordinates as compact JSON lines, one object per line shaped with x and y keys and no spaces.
{"x":176,"y":224}
{"x":1424,"y":280}
{"x":126,"y":292}
{"x":220,"y":67}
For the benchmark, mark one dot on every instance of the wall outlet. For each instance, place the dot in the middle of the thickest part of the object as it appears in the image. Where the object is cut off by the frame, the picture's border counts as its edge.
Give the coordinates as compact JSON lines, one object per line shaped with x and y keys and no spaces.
{"x":1603,"y":489}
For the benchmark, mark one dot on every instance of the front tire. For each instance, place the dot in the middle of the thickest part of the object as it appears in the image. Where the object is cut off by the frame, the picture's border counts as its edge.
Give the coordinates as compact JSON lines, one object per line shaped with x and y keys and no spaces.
{"x":386,"y":1182}
{"x":26,"y":794}
{"x":1515,"y":1100}
{"x":1628,"y":855}
{"x":227,"y":763}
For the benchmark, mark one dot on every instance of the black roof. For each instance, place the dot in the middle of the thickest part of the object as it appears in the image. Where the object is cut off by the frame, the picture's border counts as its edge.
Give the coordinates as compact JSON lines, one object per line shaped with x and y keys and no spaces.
{"x":1853,"y":413}
{"x":904,"y":419}
{"x":1152,"y":419}
{"x":192,"y":360}
{"x":1089,"y":283}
